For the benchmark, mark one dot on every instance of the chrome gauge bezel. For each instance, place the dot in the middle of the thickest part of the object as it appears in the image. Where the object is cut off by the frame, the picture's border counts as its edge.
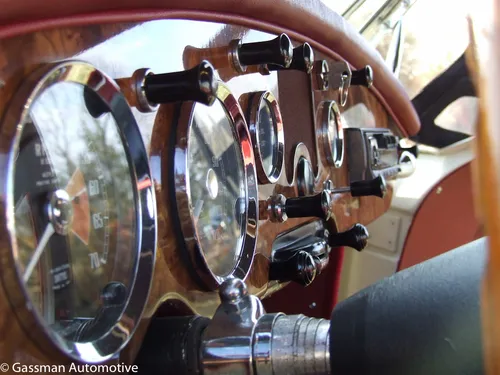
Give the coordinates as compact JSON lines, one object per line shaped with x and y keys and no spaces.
{"x":182,"y":204}
{"x":333,"y":149}
{"x":254,"y":101}
{"x":106,"y":346}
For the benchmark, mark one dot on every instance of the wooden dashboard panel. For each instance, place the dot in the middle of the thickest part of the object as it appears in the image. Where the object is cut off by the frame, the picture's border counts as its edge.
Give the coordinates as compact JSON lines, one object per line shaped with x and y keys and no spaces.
{"x":120,"y":49}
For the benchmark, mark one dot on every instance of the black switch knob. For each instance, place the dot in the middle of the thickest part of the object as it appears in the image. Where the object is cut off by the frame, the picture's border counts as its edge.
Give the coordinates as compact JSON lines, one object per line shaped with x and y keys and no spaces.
{"x":300,"y":267}
{"x":312,"y":206}
{"x":303,"y":59}
{"x":376,"y":187}
{"x":278,"y":51}
{"x":355,"y":237}
{"x":362,"y":77}
{"x":412,"y":150}
{"x":197,"y":84}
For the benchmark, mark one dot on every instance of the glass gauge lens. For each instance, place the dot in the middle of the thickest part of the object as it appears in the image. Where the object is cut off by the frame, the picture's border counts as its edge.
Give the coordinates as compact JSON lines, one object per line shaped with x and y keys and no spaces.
{"x":75,"y":212}
{"x":217,"y":189}
{"x":268,"y":137}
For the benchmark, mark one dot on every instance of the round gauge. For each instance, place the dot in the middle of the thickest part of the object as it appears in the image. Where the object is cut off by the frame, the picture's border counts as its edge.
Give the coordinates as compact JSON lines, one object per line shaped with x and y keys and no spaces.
{"x":332,"y":133}
{"x":79,"y":211}
{"x":216,"y":189}
{"x":266,"y":130}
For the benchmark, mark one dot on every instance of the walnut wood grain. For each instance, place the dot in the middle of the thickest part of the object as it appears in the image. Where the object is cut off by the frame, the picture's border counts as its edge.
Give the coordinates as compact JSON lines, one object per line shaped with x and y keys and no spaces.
{"x":172,"y":280}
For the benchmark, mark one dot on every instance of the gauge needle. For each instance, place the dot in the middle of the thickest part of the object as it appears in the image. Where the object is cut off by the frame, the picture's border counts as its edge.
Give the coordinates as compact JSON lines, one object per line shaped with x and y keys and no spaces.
{"x":49,"y":231}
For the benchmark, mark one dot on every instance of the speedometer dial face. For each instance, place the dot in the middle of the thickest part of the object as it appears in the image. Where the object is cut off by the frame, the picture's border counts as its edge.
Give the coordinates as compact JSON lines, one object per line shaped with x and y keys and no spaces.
{"x":75,"y":201}
{"x":217,"y":187}
{"x":75,"y":212}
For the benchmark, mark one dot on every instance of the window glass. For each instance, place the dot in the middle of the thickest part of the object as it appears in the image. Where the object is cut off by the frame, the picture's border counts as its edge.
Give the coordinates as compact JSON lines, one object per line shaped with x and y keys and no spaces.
{"x":436,"y":34}
{"x":461,"y":115}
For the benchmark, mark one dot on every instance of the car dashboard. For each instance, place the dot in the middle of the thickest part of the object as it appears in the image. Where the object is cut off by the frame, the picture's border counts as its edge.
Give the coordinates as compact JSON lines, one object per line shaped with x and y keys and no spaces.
{"x":145,"y":163}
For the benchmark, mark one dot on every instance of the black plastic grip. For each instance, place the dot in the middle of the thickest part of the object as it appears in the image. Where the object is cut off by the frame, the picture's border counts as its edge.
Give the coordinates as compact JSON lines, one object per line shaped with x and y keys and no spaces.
{"x":303,"y":59}
{"x":197,"y":84}
{"x":277,"y":51}
{"x":376,"y":187}
{"x":423,"y":320}
{"x":172,"y":346}
{"x":355,"y":237}
{"x":300,"y":268}
{"x":312,"y":206}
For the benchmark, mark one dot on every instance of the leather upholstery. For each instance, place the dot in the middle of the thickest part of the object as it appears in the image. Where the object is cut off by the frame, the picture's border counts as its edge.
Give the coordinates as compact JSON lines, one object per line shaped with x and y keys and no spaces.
{"x":444,"y":220}
{"x":307,"y":20}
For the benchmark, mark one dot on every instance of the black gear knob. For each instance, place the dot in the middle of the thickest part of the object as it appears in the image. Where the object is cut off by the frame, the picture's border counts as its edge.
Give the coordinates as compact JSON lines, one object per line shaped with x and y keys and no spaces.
{"x":278,"y":51}
{"x":198,"y":84}
{"x":362,"y":77}
{"x":303,"y":59}
{"x":355,"y":237}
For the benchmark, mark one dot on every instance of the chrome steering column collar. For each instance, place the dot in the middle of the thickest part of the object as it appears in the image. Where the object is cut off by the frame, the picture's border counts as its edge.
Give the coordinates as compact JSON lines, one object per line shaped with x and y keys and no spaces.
{"x":242,"y":339}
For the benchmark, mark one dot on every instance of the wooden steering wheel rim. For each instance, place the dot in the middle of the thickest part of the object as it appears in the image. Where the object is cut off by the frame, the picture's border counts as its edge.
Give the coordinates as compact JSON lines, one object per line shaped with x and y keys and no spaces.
{"x":484,"y":66}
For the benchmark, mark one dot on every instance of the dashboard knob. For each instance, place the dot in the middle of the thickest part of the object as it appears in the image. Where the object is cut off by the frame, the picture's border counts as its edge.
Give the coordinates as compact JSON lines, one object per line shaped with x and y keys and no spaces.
{"x":376,"y":187}
{"x":303,"y":59}
{"x":300,"y":268}
{"x":362,"y":77}
{"x":197,"y":84}
{"x":278,"y":51}
{"x":355,"y":237}
{"x":318,"y":205}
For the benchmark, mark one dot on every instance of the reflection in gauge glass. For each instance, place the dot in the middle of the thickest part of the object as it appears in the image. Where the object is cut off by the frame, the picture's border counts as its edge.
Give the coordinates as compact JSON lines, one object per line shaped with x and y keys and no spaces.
{"x":217,"y":187}
{"x":75,"y":204}
{"x":268,"y":137}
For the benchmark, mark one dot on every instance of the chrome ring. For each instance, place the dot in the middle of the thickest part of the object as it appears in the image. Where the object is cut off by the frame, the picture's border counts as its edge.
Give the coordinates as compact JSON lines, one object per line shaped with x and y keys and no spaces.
{"x":254,"y":101}
{"x":139,"y":79}
{"x":333,"y":147}
{"x":187,"y":235}
{"x":344,"y":88}
{"x":116,"y":338}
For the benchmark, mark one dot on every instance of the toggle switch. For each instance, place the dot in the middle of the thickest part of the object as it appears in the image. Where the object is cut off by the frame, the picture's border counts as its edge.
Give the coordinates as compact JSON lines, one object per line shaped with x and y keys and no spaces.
{"x":238,"y":56}
{"x":355,"y":237}
{"x":280,"y":208}
{"x":362,"y":77}
{"x":300,"y":267}
{"x":303,"y":60}
{"x":145,"y":90}
{"x":197,"y":84}
{"x":278,"y":51}
{"x":376,"y":187}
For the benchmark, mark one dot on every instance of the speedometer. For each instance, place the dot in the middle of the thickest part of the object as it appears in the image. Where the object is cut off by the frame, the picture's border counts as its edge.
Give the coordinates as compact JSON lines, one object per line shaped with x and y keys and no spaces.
{"x":80,"y":210}
{"x":216,"y":189}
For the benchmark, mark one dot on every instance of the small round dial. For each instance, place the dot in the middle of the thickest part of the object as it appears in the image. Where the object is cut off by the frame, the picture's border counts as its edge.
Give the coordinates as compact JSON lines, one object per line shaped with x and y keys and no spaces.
{"x":332,"y":133}
{"x":266,"y":129}
{"x":216,"y":189}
